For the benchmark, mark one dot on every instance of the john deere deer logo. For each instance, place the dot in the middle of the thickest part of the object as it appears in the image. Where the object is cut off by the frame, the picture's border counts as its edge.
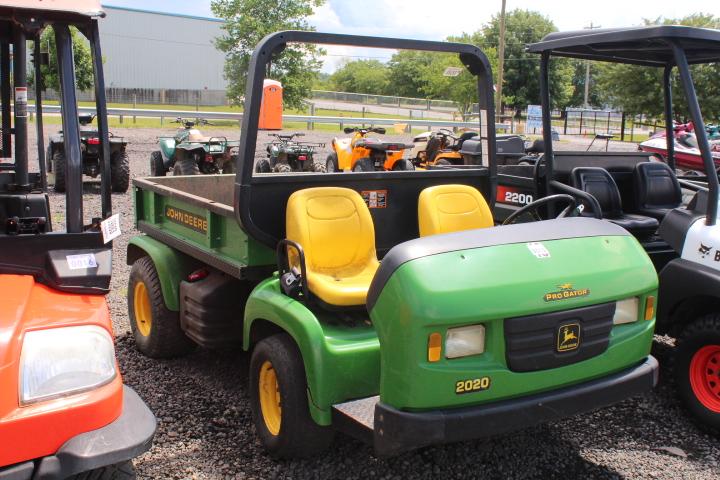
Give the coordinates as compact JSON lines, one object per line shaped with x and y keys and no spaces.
{"x":568,"y":337}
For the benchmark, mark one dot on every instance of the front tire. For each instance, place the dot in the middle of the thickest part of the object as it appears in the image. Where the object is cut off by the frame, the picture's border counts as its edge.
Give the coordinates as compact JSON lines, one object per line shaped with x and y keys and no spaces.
{"x":279,"y":402}
{"x":318,"y":167}
{"x":117,"y":471}
{"x":156,"y":329}
{"x":58,"y":160}
{"x":157,"y":167}
{"x":119,"y":171}
{"x":331,"y":164}
{"x":696,"y":367}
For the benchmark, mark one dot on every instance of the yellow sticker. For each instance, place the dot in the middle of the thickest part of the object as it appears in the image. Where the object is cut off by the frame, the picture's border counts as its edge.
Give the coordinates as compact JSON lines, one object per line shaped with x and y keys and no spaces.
{"x":566,"y":291}
{"x":472,"y":385}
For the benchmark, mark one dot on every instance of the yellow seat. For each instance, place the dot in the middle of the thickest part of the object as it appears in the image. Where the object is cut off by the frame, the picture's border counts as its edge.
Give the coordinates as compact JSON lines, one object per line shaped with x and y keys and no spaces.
{"x":452,"y":208}
{"x":334,"y":227}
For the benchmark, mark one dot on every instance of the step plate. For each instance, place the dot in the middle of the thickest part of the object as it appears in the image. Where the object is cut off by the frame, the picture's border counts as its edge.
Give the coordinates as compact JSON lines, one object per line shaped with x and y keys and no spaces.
{"x":361,"y":411}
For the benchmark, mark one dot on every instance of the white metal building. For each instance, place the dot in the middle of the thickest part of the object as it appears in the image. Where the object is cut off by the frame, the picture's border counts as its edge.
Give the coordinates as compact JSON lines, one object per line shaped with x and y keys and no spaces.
{"x":160,"y":51}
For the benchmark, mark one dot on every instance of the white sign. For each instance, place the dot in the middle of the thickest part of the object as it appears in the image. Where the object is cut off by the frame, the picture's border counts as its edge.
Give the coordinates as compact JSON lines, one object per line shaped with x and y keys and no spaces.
{"x":110,"y":228}
{"x":534,"y":119}
{"x":538,"y":249}
{"x":81,"y":262}
{"x":21,"y":95}
{"x":452,"y":71}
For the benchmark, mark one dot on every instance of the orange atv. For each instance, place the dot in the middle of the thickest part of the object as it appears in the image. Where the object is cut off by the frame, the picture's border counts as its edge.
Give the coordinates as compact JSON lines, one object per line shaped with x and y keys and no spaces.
{"x":439,"y":148}
{"x":361,"y":153}
{"x":64,"y":411}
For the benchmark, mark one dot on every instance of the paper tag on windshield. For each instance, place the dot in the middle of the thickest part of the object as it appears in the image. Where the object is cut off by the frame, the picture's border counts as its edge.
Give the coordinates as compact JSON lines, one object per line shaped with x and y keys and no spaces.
{"x":110,"y":228}
{"x":80,"y":262}
{"x":538,"y":249}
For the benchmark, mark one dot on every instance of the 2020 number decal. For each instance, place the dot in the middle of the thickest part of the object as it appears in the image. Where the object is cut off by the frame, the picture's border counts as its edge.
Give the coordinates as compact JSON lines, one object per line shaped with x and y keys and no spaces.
{"x":472,"y":385}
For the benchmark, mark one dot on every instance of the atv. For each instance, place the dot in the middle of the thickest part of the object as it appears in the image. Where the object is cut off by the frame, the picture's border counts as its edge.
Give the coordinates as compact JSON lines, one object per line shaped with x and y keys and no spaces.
{"x":91,"y":156}
{"x":361,"y":153}
{"x":64,"y":410}
{"x":189,"y":152}
{"x":285,"y":154}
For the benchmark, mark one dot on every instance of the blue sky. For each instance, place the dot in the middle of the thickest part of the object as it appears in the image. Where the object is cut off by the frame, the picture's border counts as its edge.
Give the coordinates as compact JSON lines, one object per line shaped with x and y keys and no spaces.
{"x":435,"y":20}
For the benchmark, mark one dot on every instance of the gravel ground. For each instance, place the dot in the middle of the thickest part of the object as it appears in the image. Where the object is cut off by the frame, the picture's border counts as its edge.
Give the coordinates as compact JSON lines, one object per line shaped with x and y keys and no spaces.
{"x":205,"y":430}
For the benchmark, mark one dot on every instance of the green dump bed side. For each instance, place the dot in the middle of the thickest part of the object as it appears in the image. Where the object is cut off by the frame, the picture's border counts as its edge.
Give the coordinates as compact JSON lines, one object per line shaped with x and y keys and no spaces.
{"x":194,"y":214}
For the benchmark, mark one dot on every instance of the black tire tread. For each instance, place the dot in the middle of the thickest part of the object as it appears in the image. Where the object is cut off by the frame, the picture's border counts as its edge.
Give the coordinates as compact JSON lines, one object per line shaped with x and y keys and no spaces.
{"x":705,"y":330}
{"x":166,"y":338}
{"x":157,"y":168}
{"x":59,"y":161}
{"x":332,"y":158}
{"x":299,"y":435}
{"x":117,"y":471}
{"x":120,"y":171}
{"x":186,"y":166}
{"x":364,"y":165}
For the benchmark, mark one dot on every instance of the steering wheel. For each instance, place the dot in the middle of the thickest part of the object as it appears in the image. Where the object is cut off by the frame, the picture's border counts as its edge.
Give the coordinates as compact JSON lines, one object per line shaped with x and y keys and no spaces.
{"x":532,"y":207}
{"x":447,"y":133}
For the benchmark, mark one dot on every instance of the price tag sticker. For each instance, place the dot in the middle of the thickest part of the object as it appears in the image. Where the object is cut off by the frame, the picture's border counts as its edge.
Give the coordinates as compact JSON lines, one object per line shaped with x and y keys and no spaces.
{"x":110,"y":228}
{"x":538,"y":249}
{"x":82,"y":261}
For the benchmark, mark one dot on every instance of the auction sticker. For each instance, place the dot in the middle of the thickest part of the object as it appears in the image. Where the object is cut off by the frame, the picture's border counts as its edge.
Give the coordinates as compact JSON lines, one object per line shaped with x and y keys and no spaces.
{"x":21,"y":97}
{"x":80,"y":262}
{"x":375,"y":198}
{"x":538,"y":249}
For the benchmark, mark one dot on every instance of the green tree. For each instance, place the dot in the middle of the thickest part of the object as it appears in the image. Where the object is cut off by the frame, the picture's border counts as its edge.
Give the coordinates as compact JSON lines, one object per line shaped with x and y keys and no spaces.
{"x":577,"y":95}
{"x":361,"y":76}
{"x":406,"y":71}
{"x":521,"y":85}
{"x":635,"y":89}
{"x":81,"y":54}
{"x":246,"y":23}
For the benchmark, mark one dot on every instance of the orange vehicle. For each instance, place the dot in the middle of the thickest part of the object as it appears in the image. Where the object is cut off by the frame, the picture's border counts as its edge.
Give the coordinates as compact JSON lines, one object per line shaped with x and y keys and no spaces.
{"x":439,"y":148}
{"x":64,"y":411}
{"x":361,"y":153}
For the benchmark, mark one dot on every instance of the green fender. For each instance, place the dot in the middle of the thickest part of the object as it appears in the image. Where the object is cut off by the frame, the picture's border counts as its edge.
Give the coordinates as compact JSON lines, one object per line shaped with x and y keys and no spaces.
{"x":167,"y":147}
{"x":171,"y":265}
{"x":341,"y":362}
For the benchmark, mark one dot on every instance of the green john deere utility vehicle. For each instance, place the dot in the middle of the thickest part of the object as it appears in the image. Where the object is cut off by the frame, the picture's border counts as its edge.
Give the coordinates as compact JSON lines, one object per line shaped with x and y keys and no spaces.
{"x":387,"y":305}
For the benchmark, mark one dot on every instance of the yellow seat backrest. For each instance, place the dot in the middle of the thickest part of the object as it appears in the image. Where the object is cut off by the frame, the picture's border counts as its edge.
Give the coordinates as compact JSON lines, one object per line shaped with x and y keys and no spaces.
{"x":334,"y":227}
{"x":452,"y":208}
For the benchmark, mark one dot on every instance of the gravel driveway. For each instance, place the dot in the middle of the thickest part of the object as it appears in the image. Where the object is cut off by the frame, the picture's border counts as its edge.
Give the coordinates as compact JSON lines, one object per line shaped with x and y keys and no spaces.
{"x":205,"y":430}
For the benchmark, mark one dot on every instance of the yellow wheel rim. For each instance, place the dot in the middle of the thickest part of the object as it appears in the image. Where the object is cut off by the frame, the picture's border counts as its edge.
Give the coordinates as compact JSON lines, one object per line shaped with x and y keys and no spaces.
{"x":269,"y":393}
{"x":143,"y":311}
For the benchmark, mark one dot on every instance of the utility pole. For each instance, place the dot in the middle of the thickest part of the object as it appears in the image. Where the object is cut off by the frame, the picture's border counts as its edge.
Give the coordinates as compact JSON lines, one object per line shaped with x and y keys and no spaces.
{"x":501,"y":61}
{"x":587,"y":73}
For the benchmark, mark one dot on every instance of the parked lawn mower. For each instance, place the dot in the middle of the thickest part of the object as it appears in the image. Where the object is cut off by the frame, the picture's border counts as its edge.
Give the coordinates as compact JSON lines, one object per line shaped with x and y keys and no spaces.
{"x":441,"y":147}
{"x":465,"y":330}
{"x":645,"y":197}
{"x":285,"y":154}
{"x":91,"y":160}
{"x":64,"y":411}
{"x":363,"y":153}
{"x":190,"y":152}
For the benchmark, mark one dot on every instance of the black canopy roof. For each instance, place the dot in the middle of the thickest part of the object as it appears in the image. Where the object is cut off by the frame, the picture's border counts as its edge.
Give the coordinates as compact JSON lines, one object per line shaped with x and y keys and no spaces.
{"x":649,"y":46}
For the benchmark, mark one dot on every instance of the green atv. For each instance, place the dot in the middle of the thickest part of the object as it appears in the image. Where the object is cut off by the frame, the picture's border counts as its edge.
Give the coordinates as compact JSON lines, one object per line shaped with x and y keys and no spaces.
{"x":465,"y":330}
{"x":189,"y":152}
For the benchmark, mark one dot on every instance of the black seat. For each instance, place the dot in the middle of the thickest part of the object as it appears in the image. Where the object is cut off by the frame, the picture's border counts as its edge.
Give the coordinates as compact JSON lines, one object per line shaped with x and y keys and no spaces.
{"x":600,"y":184}
{"x":657,"y":190}
{"x":461,"y":140}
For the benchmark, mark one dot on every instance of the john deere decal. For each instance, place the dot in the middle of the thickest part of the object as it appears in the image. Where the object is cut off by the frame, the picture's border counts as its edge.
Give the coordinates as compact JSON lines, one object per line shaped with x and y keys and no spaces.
{"x":187,"y":219}
{"x":568,"y":337}
{"x":566,"y":291}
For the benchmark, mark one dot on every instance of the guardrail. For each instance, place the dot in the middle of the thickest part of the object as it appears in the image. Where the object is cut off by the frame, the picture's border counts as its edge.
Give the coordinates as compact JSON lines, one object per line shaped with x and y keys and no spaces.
{"x":310,"y":120}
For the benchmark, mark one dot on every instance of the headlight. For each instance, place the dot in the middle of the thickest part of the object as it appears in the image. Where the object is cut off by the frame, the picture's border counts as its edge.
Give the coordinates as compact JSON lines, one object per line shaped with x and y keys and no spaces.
{"x":61,"y":361}
{"x":465,"y":341}
{"x":626,"y":311}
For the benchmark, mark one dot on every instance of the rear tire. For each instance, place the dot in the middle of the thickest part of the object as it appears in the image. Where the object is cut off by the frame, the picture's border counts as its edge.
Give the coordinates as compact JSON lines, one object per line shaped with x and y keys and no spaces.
{"x":156,"y":329}
{"x":331,"y":164}
{"x":318,"y":167}
{"x":157,"y":167}
{"x":263,"y":166}
{"x":282,"y":168}
{"x":696,"y":367}
{"x":119,"y":171}
{"x":117,"y":471}
{"x":59,"y":160}
{"x":186,"y":166}
{"x":403,"y":165}
{"x":279,"y":401}
{"x":364,"y":165}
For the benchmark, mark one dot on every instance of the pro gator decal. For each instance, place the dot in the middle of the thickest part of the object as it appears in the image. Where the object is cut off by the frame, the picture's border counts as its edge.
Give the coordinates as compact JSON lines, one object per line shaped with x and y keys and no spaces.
{"x":186,"y":219}
{"x":566,"y":291}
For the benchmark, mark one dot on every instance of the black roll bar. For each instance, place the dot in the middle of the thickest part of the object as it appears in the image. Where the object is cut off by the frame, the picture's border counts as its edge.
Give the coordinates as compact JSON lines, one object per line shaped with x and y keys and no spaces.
{"x":669,"y":131}
{"x":39,"y":114}
{"x":101,"y":115}
{"x":22,"y":179}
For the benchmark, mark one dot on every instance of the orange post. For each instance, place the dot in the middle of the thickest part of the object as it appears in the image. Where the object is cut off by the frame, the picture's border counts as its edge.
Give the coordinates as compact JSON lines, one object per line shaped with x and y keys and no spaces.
{"x":271,"y":108}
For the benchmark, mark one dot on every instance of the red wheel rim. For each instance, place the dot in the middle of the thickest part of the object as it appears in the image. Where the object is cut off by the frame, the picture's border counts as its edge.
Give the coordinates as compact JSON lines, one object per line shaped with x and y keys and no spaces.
{"x":705,"y":376}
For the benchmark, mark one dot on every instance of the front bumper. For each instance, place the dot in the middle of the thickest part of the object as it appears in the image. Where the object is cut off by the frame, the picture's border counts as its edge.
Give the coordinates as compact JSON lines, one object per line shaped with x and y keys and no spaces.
{"x":125,"y":438}
{"x":396,"y":431}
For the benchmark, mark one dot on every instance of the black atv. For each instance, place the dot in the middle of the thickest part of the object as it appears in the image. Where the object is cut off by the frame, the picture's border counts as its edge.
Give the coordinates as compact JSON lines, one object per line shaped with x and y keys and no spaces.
{"x":285,"y":154}
{"x":90,"y":148}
